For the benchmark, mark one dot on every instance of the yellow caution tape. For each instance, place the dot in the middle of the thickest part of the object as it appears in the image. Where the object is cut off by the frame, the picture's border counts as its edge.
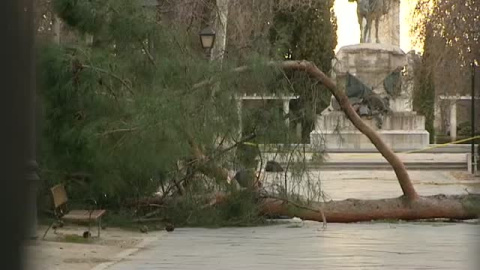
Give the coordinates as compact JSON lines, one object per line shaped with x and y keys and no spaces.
{"x":443,"y":145}
{"x":408,"y":152}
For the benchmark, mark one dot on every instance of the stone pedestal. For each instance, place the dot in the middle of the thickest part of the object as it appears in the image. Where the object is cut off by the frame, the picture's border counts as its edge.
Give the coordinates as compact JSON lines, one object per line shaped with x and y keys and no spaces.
{"x":371,"y":63}
{"x":401,"y":131}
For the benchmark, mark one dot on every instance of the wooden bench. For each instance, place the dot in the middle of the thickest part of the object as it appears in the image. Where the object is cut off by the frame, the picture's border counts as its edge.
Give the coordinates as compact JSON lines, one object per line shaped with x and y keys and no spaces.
{"x":62,"y":213}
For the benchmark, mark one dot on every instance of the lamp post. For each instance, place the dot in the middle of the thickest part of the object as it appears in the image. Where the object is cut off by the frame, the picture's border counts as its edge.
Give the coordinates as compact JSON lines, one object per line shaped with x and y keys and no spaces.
{"x":207,"y":39}
{"x":473,"y":160}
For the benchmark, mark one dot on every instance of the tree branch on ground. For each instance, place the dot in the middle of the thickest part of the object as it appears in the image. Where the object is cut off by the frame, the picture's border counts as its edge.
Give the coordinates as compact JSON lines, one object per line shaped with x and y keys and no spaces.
{"x":120,"y":130}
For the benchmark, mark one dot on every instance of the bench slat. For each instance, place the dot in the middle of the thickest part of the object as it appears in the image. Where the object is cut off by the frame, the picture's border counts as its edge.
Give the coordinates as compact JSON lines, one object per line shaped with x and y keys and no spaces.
{"x":84,"y":215}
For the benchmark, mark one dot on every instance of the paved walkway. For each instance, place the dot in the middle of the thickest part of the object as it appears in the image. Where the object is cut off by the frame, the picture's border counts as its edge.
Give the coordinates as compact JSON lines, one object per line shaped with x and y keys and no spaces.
{"x":340,"y":246}
{"x":377,"y":157}
{"x":412,"y":157}
{"x":345,"y":184}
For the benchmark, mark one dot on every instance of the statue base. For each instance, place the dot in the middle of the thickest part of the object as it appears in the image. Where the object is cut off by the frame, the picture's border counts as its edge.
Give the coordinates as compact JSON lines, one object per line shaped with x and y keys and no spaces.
{"x":400,"y":131}
{"x":371,"y":65}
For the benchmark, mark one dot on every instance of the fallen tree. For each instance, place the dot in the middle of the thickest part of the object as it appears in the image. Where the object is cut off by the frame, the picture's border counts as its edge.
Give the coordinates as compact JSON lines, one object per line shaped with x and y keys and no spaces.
{"x":452,"y":207}
{"x":137,"y":126}
{"x":455,"y":207}
{"x":410,"y":206}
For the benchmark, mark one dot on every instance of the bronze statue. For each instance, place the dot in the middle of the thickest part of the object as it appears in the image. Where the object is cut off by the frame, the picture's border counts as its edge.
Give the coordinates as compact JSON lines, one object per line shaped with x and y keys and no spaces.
{"x":370,"y":10}
{"x":365,"y":101}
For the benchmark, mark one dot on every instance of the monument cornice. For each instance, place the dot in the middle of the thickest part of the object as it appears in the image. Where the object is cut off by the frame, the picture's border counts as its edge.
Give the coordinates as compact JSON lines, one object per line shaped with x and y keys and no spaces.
{"x":374,"y":48}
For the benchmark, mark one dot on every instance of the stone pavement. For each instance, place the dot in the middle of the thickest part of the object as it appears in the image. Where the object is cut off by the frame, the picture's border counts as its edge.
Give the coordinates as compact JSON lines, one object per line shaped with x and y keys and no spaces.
{"x":339,"y":246}
{"x":376,"y":157}
{"x":411,"y":157}
{"x":345,"y":184}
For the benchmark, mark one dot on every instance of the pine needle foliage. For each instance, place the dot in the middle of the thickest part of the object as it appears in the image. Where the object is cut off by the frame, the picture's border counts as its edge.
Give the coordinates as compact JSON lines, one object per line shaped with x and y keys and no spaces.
{"x":134,"y":99}
{"x":124,"y":108}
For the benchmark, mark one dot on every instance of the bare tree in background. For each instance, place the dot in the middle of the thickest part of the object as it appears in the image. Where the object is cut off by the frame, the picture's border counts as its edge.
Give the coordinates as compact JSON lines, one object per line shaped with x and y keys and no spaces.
{"x":248,"y":25}
{"x":450,"y":33}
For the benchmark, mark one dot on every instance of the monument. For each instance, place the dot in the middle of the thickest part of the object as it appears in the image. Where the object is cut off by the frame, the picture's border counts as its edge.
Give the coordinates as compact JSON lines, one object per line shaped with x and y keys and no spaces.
{"x":377,"y":78}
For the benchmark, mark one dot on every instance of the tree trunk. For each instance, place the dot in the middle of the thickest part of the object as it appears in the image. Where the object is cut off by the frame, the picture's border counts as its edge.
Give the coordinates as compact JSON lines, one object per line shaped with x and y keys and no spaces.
{"x":454,"y":207}
{"x":390,"y":156}
{"x":57,"y":30}
{"x":458,"y":207}
{"x":221,"y":20}
{"x":205,"y":164}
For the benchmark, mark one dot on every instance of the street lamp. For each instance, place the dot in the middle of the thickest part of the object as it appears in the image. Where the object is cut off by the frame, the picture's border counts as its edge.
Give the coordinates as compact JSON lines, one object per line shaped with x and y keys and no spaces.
{"x":473,"y":127}
{"x":207,"y":39}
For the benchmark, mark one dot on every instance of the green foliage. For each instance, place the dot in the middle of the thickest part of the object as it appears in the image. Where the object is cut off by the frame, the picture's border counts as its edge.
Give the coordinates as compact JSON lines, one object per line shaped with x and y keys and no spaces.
{"x":124,"y":110}
{"x":306,"y":33}
{"x":424,"y":90}
{"x":465,"y":129}
{"x":424,"y":103}
{"x":84,"y":15}
{"x":239,"y":209}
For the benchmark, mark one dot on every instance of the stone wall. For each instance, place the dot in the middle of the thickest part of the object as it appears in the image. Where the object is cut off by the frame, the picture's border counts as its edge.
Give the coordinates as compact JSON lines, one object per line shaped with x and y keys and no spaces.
{"x":336,"y":120}
{"x":401,"y":131}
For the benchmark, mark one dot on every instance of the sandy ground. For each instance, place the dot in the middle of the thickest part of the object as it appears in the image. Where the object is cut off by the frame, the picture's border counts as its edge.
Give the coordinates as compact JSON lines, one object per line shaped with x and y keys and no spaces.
{"x":66,"y":250}
{"x":461,"y":175}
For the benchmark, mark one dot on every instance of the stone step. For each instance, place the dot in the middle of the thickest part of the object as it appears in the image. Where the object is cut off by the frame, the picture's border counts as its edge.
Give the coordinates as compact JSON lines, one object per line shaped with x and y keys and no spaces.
{"x":432,"y":148}
{"x":427,"y":166}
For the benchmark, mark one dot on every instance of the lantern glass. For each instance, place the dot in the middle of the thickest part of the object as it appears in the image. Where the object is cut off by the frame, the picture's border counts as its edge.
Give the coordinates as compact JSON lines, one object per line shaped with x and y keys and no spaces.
{"x":207,"y":38}
{"x":207,"y":41}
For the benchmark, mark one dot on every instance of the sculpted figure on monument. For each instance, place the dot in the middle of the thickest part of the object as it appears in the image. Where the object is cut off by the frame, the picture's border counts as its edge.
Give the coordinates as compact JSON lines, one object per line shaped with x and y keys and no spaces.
{"x":377,"y":78}
{"x":370,"y":10}
{"x":365,"y":101}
